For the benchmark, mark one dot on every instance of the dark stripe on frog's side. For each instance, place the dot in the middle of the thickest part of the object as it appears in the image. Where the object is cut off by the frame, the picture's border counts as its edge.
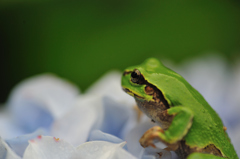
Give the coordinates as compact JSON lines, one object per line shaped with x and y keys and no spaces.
{"x":158,"y":107}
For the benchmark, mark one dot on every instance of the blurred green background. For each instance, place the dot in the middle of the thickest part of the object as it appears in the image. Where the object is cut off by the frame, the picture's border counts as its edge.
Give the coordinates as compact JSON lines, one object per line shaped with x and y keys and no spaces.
{"x":81,"y":40}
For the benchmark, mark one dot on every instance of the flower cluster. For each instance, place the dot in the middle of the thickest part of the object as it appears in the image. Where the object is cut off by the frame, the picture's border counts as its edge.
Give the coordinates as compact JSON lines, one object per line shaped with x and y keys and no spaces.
{"x":48,"y":117}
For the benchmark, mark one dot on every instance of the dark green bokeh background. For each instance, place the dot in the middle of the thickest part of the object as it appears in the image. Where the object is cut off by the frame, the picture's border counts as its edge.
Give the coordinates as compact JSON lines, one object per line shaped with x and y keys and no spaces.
{"x":81,"y":40}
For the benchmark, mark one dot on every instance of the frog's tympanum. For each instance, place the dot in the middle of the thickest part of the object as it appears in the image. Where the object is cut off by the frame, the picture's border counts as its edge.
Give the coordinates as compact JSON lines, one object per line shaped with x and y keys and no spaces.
{"x":187,"y":123}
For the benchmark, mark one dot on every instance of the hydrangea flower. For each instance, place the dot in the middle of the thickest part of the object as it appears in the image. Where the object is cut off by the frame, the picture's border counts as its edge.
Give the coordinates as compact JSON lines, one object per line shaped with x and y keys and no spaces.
{"x":48,"y":117}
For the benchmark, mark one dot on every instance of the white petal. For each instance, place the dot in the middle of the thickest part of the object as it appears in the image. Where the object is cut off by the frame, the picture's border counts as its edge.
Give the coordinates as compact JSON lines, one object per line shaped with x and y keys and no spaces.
{"x":49,"y":148}
{"x":103,"y":150}
{"x":75,"y":126}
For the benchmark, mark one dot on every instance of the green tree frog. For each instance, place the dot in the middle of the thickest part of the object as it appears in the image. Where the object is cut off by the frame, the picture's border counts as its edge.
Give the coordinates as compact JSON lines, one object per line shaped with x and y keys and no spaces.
{"x":187,"y":123}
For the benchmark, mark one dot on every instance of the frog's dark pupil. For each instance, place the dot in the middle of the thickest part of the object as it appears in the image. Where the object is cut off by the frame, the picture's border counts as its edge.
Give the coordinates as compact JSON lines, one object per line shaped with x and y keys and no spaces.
{"x":134,"y":75}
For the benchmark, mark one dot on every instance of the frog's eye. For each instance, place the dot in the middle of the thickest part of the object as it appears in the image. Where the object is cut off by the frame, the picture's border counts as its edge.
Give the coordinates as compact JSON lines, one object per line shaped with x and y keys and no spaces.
{"x":135,"y":76}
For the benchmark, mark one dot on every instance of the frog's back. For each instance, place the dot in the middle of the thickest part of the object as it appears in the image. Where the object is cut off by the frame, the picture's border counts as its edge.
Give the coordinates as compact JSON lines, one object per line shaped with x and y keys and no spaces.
{"x":207,"y":128}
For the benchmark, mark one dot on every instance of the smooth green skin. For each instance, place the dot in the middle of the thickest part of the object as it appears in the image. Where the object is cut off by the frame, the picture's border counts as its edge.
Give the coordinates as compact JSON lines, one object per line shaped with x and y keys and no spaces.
{"x":189,"y":107}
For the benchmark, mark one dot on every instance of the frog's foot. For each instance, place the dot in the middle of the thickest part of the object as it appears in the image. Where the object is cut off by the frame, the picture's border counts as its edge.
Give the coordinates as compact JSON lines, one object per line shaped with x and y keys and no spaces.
{"x":178,"y":128}
{"x":154,"y":134}
{"x":150,"y":135}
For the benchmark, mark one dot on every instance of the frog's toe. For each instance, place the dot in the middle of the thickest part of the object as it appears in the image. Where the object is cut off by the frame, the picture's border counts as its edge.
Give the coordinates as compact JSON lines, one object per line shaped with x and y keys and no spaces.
{"x":155,"y":129}
{"x":149,"y":136}
{"x":147,"y":140}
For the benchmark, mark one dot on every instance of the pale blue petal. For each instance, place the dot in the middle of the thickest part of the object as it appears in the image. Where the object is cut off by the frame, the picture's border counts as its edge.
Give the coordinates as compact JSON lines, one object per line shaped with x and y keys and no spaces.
{"x":133,"y":136}
{"x":110,"y":85}
{"x":37,"y":101}
{"x":116,"y":116}
{"x":6,"y":152}
{"x":97,"y":135}
{"x":101,"y":136}
{"x":8,"y":129}
{"x":76,"y":125}
{"x":31,"y":116}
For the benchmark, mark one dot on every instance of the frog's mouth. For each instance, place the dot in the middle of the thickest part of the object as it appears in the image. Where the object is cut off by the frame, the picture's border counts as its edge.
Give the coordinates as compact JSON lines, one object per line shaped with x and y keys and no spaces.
{"x":126,"y":90}
{"x":131,"y":93}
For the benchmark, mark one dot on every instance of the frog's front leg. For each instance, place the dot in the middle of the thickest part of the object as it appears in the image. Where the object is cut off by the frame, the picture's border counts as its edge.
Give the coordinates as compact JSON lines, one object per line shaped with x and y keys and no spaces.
{"x":178,"y":128}
{"x":197,"y":155}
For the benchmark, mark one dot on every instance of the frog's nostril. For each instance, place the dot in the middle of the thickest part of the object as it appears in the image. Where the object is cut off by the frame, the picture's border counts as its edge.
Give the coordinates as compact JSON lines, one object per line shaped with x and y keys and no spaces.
{"x":126,"y":73}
